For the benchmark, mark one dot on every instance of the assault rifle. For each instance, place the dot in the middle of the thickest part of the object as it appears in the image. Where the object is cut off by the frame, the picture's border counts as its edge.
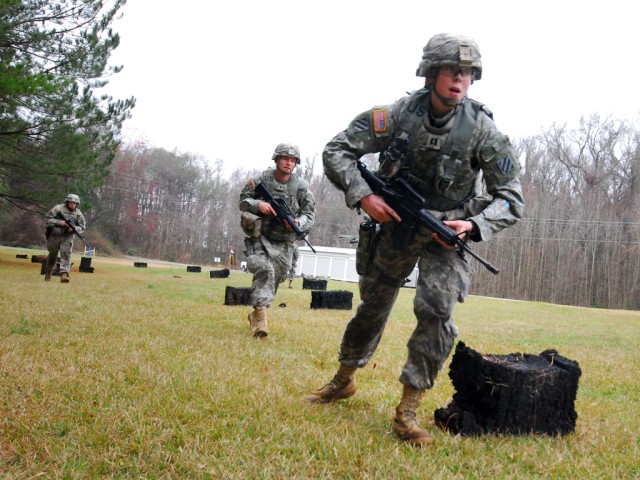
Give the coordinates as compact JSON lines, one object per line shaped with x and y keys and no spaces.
{"x":60,"y":215}
{"x":283,"y":211}
{"x":410,"y":206}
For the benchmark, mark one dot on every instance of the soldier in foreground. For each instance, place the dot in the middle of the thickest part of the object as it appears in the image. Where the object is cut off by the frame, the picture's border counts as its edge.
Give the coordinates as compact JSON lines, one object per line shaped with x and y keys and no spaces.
{"x":60,"y":235}
{"x":270,"y":240}
{"x":449,"y":150}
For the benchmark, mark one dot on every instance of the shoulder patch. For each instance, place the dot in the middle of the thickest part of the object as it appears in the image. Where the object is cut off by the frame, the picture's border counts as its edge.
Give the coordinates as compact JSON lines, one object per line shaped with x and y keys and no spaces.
{"x":506,"y":165}
{"x":361,"y":124}
{"x":251,"y":184}
{"x":380,"y":120}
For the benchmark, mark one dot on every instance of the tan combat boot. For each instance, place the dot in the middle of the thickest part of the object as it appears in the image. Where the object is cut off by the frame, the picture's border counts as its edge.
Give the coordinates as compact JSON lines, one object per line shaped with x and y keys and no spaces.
{"x":342,"y":386}
{"x":405,"y":424}
{"x":47,"y":274}
{"x":258,"y":321}
{"x":64,"y":277}
{"x":291,"y":283}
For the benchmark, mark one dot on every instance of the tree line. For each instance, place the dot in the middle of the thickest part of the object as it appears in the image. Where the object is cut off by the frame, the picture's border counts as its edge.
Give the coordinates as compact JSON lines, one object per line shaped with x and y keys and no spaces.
{"x":578,"y":243}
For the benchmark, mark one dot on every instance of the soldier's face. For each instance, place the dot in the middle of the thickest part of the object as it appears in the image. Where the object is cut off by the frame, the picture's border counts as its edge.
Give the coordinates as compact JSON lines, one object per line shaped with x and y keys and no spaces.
{"x":72,"y":205}
{"x":286,"y":164}
{"x":452,"y":84}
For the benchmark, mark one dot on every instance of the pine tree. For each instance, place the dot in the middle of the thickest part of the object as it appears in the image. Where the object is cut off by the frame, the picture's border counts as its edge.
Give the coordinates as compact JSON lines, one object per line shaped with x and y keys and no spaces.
{"x":56,"y":133}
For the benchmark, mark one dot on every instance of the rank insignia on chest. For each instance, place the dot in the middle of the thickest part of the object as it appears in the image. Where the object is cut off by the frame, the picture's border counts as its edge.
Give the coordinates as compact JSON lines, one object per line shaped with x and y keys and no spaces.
{"x":379,"y":120}
{"x":433,"y":142}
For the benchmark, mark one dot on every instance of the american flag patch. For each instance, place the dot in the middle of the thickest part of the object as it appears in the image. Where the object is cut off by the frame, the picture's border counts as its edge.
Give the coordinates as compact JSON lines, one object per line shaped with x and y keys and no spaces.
{"x":505,"y":165}
{"x":361,"y":124}
{"x":380,"y":120}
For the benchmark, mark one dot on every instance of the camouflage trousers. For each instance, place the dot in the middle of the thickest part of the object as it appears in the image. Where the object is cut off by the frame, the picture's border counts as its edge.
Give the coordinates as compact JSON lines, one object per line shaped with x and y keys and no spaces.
{"x":62,"y":244}
{"x":270,"y":263}
{"x":443,"y":280}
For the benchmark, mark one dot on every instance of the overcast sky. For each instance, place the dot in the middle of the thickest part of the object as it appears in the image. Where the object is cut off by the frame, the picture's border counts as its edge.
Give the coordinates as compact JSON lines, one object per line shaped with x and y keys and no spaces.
{"x":230,"y":80}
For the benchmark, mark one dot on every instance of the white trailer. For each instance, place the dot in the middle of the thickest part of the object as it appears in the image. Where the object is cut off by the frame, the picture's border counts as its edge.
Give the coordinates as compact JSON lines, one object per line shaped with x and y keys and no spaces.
{"x":334,"y":263}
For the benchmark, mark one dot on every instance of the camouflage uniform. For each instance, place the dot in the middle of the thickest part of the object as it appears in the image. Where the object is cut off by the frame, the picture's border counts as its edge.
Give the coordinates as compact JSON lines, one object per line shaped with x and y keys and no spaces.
{"x":294,"y":263}
{"x":466,"y":169}
{"x":270,"y":249}
{"x":59,"y":239}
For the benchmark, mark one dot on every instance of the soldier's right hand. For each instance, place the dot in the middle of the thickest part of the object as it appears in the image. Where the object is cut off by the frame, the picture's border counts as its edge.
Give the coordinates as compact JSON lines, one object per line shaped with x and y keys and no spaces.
{"x":378,"y":209}
{"x":266,"y":209}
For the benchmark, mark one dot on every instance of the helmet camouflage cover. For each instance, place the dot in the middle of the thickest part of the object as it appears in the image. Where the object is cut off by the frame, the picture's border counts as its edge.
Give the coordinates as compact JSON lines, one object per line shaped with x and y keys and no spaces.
{"x":450,"y":49}
{"x":286,"y":149}
{"x":72,"y":198}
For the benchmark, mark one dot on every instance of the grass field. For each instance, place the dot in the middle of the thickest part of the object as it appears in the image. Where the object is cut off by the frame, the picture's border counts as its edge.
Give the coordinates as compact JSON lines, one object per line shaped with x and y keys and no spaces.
{"x":144,"y":373}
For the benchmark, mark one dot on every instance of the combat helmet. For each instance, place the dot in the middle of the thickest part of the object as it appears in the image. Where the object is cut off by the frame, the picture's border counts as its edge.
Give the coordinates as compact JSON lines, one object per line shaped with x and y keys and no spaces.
{"x":450,"y":49}
{"x":72,"y":198}
{"x":287,"y":149}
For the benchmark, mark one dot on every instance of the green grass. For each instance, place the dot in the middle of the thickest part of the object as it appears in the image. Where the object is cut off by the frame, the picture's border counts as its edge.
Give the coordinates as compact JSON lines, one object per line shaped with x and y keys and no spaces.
{"x":144,"y":373}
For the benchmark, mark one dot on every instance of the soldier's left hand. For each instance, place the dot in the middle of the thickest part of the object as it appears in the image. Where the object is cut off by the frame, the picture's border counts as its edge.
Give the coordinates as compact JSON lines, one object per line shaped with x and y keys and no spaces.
{"x":461,"y":227}
{"x":289,"y":226}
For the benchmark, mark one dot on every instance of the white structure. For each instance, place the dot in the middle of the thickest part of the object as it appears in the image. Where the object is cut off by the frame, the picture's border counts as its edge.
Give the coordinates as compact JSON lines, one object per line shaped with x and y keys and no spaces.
{"x":334,"y":263}
{"x":329,"y":262}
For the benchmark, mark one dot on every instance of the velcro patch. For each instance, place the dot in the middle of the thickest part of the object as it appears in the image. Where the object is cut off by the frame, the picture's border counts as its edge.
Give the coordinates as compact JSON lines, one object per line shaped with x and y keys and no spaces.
{"x":361,"y":124}
{"x":380,"y":120}
{"x":506,"y":165}
{"x":251,"y":184}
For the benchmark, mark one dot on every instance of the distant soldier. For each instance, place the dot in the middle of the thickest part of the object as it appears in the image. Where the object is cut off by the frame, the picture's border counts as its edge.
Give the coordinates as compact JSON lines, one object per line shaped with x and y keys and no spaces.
{"x":269,"y":245}
{"x":232,"y":258}
{"x":60,"y":236}
{"x":447,"y":147}
{"x":294,"y":264}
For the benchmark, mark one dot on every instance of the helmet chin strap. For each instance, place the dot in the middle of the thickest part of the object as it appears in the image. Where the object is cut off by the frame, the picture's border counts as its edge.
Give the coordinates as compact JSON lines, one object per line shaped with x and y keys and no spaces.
{"x":449,"y":102}
{"x":430,"y":83}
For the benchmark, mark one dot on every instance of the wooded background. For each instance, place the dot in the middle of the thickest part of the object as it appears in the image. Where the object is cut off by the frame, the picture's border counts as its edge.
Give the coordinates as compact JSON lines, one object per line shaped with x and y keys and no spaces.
{"x":578,"y":243}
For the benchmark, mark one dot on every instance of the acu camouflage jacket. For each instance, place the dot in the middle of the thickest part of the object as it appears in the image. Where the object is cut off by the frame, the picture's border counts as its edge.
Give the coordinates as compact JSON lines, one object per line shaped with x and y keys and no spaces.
{"x":462,"y":164}
{"x":295,"y":192}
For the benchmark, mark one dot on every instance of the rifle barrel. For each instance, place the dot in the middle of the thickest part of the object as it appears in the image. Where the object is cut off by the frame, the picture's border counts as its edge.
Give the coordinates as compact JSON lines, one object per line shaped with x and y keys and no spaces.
{"x":492,"y":268}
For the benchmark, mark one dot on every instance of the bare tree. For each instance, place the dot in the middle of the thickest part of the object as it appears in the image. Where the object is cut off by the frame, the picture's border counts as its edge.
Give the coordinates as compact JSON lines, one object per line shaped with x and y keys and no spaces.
{"x":578,"y":243}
